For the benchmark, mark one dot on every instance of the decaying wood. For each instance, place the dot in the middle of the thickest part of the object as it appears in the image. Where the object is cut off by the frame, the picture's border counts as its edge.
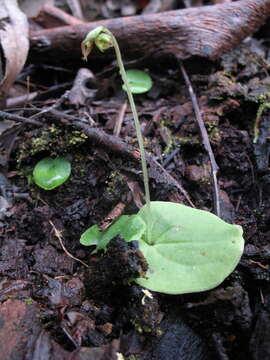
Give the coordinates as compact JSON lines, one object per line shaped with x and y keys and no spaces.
{"x":208,"y":31}
{"x":50,"y":17}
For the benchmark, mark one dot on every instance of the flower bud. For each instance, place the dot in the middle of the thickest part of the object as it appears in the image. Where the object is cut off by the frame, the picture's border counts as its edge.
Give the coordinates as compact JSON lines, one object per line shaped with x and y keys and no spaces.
{"x":103,"y":41}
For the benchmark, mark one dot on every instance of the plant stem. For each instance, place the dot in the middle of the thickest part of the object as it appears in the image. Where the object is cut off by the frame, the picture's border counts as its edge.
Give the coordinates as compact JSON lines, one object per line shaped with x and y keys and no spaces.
{"x":138,"y":131}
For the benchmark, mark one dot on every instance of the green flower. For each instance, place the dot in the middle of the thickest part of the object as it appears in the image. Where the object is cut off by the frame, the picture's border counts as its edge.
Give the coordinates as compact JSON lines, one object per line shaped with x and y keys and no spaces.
{"x":100,"y":38}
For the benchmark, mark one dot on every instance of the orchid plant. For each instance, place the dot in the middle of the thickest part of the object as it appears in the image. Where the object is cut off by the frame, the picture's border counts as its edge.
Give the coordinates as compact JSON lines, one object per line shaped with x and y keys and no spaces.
{"x":187,"y":250}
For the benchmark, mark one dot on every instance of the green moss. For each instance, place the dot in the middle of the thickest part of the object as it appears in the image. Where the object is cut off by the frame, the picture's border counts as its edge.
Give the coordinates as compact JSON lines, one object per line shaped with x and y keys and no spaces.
{"x":214,"y":134}
{"x":228,"y":79}
{"x":263,"y":97}
{"x":265,"y":103}
{"x":183,"y":140}
{"x":141,"y":328}
{"x":54,"y":140}
{"x":115,"y":186}
{"x":169,"y":139}
{"x":166,"y":119}
{"x":28,"y":301}
{"x":77,"y":138}
{"x":159,"y":332}
{"x":112,"y":182}
{"x":133,"y":357}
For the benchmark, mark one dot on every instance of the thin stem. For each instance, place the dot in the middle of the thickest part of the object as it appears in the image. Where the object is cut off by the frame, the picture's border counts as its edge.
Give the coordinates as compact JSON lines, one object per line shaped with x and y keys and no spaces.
{"x":138,"y":130}
{"x":205,"y":138}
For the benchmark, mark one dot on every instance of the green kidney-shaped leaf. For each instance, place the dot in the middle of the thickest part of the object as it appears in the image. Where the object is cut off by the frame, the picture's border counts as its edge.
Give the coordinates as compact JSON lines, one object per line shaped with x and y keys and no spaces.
{"x":50,"y":173}
{"x":189,"y":250}
{"x":129,"y":227}
{"x":139,"y":81}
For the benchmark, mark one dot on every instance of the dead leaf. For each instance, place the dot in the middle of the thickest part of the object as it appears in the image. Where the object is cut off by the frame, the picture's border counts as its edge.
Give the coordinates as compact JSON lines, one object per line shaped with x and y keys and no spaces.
{"x":14,"y":43}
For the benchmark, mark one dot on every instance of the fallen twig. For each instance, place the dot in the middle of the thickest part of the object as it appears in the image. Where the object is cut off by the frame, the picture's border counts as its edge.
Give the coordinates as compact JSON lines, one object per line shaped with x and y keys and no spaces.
{"x":206,"y":142}
{"x":17,"y":118}
{"x":207,"y":31}
{"x":50,"y":16}
{"x":119,"y":119}
{"x":113,"y":215}
{"x":21,"y":100}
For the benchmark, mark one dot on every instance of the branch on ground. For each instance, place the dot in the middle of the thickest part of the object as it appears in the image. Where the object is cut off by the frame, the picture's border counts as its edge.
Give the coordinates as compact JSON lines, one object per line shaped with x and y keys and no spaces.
{"x":208,"y":31}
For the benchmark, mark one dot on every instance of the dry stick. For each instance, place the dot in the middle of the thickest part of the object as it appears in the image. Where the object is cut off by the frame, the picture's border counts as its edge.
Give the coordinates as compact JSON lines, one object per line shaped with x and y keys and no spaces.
{"x":21,"y":100}
{"x":59,"y":237}
{"x":119,"y":120}
{"x":13,"y":117}
{"x":110,"y":142}
{"x":50,"y":16}
{"x":113,"y":215}
{"x":206,"y":142}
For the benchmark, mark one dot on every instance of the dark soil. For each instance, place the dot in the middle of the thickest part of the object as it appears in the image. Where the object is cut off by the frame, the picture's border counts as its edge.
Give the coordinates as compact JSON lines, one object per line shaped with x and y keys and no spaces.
{"x":54,"y":307}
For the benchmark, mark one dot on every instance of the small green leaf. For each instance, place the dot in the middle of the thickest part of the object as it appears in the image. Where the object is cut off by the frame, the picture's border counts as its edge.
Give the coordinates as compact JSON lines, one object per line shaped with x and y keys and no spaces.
{"x":129,"y":227}
{"x":189,"y":250}
{"x":50,"y":173}
{"x":91,"y":236}
{"x":139,"y":81}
